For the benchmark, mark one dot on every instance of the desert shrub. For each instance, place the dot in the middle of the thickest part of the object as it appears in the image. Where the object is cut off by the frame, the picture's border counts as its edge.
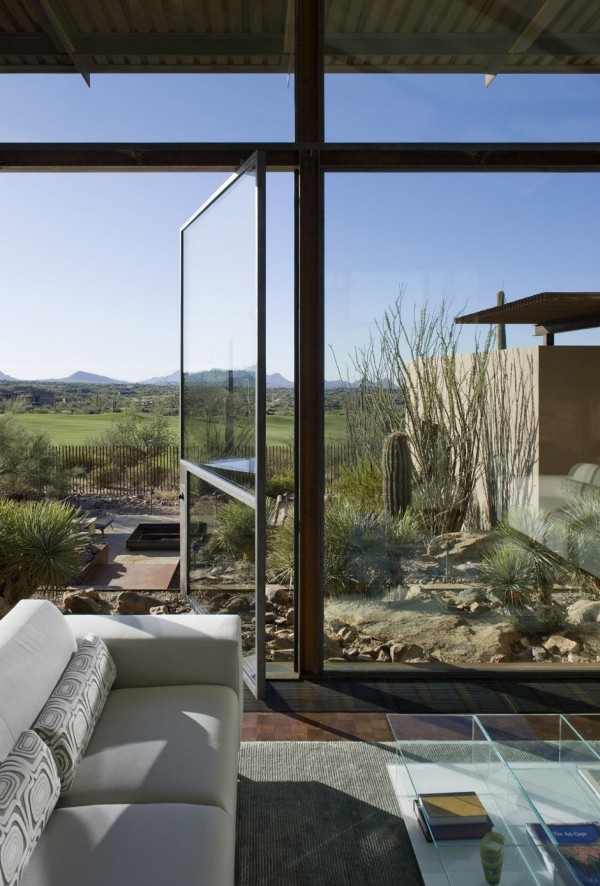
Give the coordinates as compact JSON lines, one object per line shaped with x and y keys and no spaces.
{"x":41,"y":544}
{"x":360,"y":484}
{"x":361,"y":555}
{"x":27,"y":464}
{"x":281,"y":551}
{"x":407,"y":529}
{"x":233,"y":532}
{"x":280,"y":483}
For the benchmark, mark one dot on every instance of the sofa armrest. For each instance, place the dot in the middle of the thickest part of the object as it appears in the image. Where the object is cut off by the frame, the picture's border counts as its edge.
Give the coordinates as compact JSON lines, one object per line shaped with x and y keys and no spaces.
{"x":169,"y":650}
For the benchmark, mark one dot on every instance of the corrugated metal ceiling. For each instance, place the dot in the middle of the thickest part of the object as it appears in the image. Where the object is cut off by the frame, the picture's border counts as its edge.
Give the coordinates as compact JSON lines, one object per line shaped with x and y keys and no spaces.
{"x":478,"y":36}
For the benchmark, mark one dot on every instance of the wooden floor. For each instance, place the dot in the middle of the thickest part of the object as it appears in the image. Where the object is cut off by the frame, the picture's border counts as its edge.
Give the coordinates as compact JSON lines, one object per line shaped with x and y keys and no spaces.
{"x":332,"y":726}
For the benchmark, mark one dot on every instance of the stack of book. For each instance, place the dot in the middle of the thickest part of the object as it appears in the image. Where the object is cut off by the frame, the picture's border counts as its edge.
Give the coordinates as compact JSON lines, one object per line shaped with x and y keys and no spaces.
{"x":454,"y":816}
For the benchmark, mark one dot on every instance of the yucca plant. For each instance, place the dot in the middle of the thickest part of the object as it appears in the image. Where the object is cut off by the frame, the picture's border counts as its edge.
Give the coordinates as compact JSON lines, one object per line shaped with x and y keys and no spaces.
{"x":41,"y":544}
{"x":533,"y":534}
{"x":509,"y":572}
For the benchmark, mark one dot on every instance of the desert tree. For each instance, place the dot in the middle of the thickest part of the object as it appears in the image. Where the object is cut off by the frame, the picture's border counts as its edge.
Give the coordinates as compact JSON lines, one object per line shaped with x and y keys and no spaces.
{"x":420,"y":384}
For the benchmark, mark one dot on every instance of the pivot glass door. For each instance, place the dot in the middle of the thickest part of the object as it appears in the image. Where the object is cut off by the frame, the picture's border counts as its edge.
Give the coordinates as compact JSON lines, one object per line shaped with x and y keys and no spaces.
{"x":223,"y":408}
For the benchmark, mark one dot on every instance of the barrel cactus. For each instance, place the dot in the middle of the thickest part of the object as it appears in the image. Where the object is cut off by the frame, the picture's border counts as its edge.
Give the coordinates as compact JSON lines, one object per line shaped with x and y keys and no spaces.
{"x":397,"y":474}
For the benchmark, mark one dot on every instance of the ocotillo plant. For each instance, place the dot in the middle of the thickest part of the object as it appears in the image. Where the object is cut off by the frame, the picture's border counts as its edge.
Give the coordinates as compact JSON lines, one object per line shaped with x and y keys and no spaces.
{"x":397,"y":474}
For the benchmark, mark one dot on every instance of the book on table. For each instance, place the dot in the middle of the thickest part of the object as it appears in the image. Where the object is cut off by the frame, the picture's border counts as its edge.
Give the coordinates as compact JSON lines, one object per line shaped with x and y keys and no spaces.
{"x":592,"y":778}
{"x":575,"y":857}
{"x":460,"y":807}
{"x":457,"y":831}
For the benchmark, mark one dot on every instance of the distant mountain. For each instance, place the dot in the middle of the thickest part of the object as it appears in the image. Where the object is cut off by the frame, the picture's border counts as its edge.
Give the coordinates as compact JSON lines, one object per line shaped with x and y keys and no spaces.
{"x":276,"y":380}
{"x":4,"y":377}
{"x":89,"y":378}
{"x":170,"y":380}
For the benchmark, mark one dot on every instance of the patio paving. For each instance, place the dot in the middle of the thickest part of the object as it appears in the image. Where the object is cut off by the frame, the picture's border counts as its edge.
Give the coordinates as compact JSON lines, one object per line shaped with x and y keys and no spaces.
{"x":147,"y":571}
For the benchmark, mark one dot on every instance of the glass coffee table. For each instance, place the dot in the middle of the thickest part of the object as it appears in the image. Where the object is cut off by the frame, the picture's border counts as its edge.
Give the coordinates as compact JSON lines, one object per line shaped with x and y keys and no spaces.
{"x":525,"y":770}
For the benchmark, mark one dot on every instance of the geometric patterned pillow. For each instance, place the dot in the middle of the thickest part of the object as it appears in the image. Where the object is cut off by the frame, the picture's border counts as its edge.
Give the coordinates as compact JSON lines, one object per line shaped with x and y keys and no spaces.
{"x":29,"y":789}
{"x":67,"y":720}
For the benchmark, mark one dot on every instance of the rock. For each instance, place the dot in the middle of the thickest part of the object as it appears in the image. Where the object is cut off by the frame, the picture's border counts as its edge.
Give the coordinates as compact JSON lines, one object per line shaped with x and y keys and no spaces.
{"x":403,"y":652}
{"x":269,"y":618}
{"x":583,"y":611}
{"x":278,"y":594}
{"x":82,"y":604}
{"x":539,"y":653}
{"x":471,"y":595}
{"x":461,"y":547}
{"x":562,"y":645}
{"x":159,"y":610}
{"x":132,"y":603}
{"x":499,"y":659}
{"x":289,"y":616}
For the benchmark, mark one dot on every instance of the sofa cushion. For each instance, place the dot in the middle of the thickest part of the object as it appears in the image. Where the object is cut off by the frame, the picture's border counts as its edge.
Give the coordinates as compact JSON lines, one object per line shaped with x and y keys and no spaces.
{"x":138,"y":845}
{"x":168,"y":744}
{"x":29,"y":788}
{"x":67,"y":720}
{"x":35,"y":646}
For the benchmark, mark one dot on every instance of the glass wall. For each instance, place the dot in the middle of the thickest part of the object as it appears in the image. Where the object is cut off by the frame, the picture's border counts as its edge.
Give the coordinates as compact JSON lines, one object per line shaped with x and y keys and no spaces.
{"x":434,"y":436}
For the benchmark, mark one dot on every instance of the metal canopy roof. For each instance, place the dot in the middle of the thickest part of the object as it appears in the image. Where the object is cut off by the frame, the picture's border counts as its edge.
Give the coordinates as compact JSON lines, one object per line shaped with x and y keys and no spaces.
{"x":167,"y":36}
{"x":550,"y":312}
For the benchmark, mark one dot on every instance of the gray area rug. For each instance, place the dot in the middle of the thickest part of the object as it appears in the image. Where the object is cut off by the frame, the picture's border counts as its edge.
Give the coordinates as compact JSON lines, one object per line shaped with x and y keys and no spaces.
{"x":320,"y":814}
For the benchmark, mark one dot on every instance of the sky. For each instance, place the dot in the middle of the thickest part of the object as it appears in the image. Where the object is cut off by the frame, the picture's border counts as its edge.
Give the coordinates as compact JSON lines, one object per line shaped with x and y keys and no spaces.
{"x":90,"y":274}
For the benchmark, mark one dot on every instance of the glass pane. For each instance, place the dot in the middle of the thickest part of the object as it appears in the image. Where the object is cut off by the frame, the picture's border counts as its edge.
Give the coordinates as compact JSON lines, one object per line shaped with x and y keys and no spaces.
{"x":435,"y":436}
{"x":220,"y":334}
{"x":221,"y":556}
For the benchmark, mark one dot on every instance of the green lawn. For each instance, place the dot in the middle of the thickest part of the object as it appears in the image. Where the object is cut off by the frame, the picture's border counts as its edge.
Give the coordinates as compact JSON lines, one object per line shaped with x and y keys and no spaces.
{"x":74,"y":430}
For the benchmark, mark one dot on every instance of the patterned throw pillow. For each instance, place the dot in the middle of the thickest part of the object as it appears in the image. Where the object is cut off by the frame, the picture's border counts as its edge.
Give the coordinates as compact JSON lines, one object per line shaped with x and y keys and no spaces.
{"x":29,"y":789}
{"x":67,"y":720}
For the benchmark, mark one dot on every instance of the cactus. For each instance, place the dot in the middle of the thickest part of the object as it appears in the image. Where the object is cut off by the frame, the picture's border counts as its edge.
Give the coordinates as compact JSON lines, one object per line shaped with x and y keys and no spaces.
{"x":397,"y":474}
{"x":500,"y":327}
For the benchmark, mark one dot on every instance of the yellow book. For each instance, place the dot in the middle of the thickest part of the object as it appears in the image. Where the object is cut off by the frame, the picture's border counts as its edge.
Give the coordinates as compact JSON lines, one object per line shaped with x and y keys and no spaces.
{"x":463,"y":807}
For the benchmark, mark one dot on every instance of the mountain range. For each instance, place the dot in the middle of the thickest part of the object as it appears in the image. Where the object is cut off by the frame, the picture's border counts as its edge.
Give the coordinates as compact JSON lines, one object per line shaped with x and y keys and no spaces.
{"x":216,"y":376}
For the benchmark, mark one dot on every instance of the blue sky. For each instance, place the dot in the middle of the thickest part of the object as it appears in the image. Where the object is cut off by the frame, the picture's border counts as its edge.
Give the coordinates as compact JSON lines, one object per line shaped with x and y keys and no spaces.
{"x":90,"y":262}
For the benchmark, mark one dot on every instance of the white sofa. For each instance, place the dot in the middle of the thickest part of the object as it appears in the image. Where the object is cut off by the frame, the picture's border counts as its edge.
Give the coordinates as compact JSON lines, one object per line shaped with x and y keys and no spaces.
{"x":153,"y":799}
{"x":556,"y":491}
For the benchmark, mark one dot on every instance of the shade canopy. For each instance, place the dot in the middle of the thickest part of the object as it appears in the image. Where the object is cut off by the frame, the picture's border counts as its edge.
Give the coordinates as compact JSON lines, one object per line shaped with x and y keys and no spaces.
{"x":549,"y":312}
{"x":503,"y":36}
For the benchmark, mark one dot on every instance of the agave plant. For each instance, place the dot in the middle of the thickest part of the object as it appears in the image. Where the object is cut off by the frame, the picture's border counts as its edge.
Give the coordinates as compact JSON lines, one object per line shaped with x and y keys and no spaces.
{"x":533,"y":535}
{"x":41,"y":544}
{"x":360,"y":551}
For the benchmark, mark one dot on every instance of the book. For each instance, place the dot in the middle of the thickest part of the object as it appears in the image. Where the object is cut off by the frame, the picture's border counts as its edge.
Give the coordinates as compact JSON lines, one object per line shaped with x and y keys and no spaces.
{"x":450,"y":831}
{"x":575,"y":858}
{"x":592,"y":778}
{"x":462,"y":807}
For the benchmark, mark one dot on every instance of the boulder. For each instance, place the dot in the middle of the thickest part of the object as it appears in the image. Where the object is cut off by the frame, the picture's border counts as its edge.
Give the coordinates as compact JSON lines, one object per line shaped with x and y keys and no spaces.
{"x":562,"y":645}
{"x":583,"y":611}
{"x":134,"y":603}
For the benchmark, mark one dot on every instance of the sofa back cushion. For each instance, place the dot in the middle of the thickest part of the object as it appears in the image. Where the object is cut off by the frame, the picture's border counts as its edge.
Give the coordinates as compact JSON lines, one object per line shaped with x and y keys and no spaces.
{"x":67,"y":720}
{"x":29,"y":789}
{"x":586,"y":472}
{"x":35,"y":645}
